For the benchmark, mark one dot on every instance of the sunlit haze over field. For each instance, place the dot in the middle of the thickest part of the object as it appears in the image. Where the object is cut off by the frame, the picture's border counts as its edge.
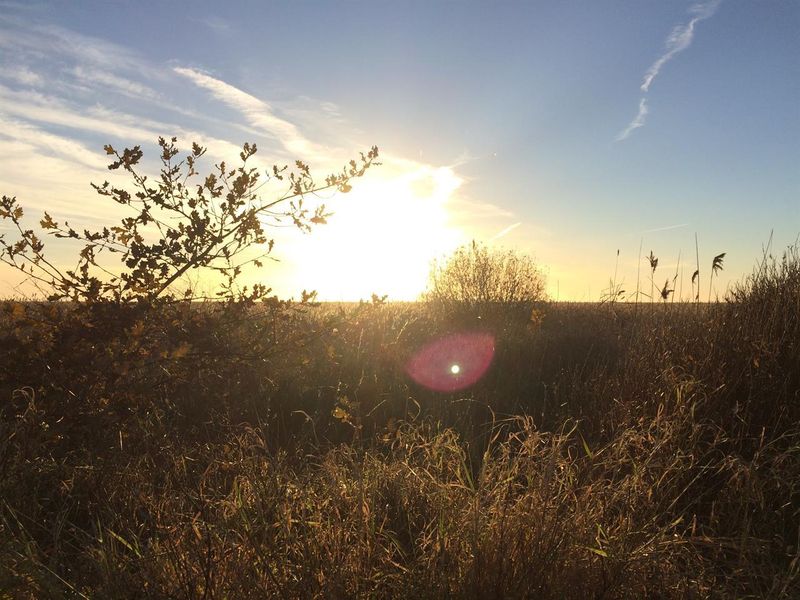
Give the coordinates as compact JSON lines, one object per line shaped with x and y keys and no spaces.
{"x":578,"y":132}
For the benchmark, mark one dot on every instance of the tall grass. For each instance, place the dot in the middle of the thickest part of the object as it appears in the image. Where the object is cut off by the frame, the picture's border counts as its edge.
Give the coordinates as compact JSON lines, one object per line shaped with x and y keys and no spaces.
{"x":210,"y":452}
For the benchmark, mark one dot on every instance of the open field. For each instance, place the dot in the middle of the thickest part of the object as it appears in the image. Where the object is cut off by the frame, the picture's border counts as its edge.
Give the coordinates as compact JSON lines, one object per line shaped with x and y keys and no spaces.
{"x":613,"y":451}
{"x":576,"y":373}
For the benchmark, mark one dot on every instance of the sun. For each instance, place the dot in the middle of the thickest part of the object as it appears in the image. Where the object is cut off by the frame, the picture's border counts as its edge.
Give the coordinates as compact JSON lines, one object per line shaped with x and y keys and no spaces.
{"x":381,"y":238}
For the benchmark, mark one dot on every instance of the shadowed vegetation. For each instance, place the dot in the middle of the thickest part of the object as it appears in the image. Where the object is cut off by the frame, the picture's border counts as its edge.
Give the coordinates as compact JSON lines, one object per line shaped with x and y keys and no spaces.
{"x":201,"y":451}
{"x":247,"y":449}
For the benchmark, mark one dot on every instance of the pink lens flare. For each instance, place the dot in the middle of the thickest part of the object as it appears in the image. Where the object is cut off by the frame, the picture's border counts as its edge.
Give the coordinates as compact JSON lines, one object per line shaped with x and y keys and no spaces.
{"x":453,"y":362}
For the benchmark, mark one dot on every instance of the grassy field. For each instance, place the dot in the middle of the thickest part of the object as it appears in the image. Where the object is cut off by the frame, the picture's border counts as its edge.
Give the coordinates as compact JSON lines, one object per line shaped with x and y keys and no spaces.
{"x":237,"y":451}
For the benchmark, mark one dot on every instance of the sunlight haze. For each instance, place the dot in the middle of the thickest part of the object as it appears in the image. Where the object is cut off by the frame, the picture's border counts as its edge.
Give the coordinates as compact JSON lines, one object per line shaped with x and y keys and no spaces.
{"x":567,"y":131}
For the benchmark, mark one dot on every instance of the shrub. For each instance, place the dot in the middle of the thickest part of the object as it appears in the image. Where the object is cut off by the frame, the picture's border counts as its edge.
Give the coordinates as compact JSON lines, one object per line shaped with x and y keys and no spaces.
{"x":499,"y":287}
{"x":178,"y":225}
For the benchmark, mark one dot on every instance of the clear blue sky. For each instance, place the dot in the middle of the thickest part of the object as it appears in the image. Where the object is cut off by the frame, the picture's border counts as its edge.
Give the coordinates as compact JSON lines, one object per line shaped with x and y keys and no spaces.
{"x":543,"y":115}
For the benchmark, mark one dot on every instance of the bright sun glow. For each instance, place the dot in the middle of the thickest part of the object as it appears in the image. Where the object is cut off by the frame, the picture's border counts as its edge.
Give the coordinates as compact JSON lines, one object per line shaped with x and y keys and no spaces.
{"x":455,"y":369}
{"x":381,"y":238}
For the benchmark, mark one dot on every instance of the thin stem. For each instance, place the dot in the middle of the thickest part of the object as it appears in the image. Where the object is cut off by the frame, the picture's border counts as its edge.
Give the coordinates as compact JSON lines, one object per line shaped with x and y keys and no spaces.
{"x":697,"y":253}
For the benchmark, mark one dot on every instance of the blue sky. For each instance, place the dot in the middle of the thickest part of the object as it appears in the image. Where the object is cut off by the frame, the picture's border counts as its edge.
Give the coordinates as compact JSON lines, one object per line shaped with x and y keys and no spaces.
{"x":567,"y":130}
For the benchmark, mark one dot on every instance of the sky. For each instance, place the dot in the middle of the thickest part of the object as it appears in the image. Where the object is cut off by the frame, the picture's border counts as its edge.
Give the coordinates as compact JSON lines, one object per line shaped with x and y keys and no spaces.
{"x":575,"y":132}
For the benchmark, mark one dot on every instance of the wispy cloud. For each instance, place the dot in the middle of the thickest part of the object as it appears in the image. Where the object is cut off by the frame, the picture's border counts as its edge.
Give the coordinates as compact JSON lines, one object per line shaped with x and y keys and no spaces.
{"x":466,"y":157}
{"x":65,"y":148}
{"x":64,"y":95}
{"x":218,"y":25}
{"x":36,"y":107}
{"x":678,"y":40}
{"x":22,"y":6}
{"x":258,"y":113}
{"x":50,"y":172}
{"x":638,"y":121}
{"x":666,"y":228}
{"x":76,"y":66}
{"x":47,"y":42}
{"x":110,"y":81}
{"x":21,"y":74}
{"x":506,"y":231}
{"x":480,"y":211}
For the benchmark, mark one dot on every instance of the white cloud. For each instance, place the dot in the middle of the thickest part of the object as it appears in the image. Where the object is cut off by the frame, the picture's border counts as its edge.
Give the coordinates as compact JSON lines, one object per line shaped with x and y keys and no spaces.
{"x":33,"y":106}
{"x":257,"y":112}
{"x":28,"y":5}
{"x":218,"y":25}
{"x":50,"y":42}
{"x":680,"y":39}
{"x":506,"y":231}
{"x":476,"y":211}
{"x":21,"y":74}
{"x":42,"y":175}
{"x":638,"y":121}
{"x":128,"y":128}
{"x":52,"y":128}
{"x":666,"y":228}
{"x":109,"y":82}
{"x":15,"y":130}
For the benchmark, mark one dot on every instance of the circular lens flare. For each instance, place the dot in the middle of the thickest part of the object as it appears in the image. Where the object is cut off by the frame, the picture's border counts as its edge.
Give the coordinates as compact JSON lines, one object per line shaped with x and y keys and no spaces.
{"x":453,"y":362}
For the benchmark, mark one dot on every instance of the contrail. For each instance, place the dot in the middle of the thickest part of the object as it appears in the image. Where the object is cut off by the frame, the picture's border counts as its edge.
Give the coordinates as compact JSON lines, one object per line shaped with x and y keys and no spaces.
{"x":637,"y":122}
{"x":677,"y":41}
{"x":667,"y":228}
{"x":680,"y":39}
{"x":506,"y":231}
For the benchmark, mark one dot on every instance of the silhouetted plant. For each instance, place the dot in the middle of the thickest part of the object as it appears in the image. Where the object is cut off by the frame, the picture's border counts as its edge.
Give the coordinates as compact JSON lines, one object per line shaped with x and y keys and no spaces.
{"x":653,"y":265}
{"x":479,"y":282}
{"x":615,"y":291}
{"x":716,"y":267}
{"x":696,"y":274}
{"x":666,"y":291}
{"x":181,"y":221}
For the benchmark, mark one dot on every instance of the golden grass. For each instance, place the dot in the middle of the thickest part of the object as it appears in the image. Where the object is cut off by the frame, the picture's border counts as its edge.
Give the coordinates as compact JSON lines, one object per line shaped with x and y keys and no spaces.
{"x":208,"y":452}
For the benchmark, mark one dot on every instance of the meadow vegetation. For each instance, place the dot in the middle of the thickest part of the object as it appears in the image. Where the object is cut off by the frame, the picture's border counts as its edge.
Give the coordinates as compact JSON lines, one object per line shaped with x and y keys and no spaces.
{"x":251,"y":448}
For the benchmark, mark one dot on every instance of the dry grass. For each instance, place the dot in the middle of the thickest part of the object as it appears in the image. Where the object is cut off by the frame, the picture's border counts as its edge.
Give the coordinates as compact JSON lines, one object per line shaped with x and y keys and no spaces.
{"x":610,"y":452}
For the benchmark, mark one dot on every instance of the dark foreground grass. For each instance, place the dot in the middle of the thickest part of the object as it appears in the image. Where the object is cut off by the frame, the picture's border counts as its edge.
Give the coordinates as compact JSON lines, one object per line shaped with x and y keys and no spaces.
{"x":235,"y":452}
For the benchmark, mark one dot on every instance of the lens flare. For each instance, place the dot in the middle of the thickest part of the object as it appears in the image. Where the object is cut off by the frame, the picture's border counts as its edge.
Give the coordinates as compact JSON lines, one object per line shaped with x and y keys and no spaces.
{"x":453,"y":362}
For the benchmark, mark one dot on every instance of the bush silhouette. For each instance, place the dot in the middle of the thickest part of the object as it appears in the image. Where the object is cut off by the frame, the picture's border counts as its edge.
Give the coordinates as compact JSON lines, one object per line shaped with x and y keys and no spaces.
{"x":496,"y":287}
{"x":181,"y":221}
